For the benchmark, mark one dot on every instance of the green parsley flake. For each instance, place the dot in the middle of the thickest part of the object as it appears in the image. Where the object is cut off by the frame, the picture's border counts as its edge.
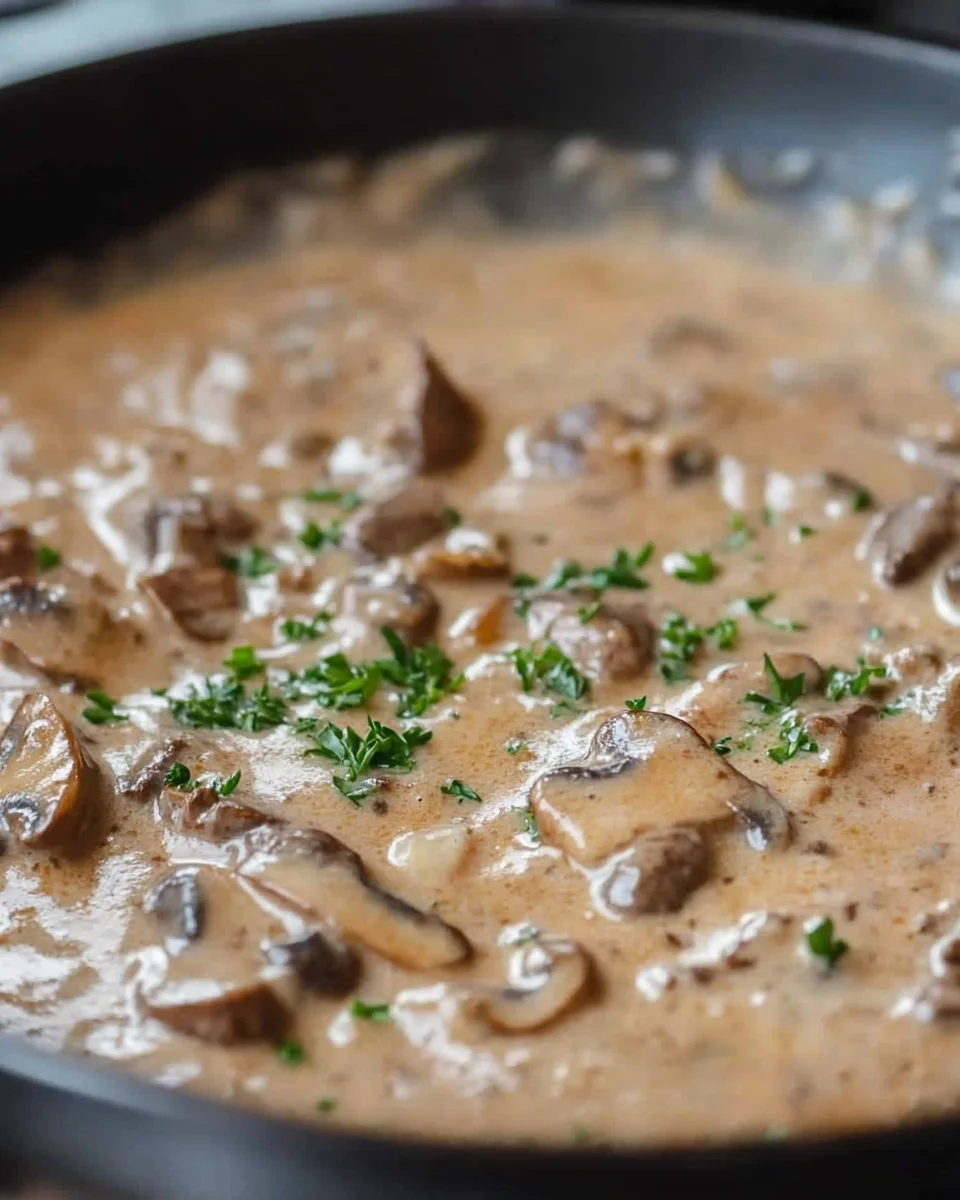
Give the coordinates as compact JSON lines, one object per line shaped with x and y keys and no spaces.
{"x":348,"y":501}
{"x":551,"y":670}
{"x":177,"y":777}
{"x":47,"y":558}
{"x":692,"y":567}
{"x":291,"y":1053}
{"x":726,"y":632}
{"x":620,"y":572}
{"x":586,"y":612}
{"x":456,"y":787}
{"x":318,"y":537}
{"x":861,"y":500}
{"x":424,"y":671}
{"x":293,"y":630}
{"x":531,"y":826}
{"x":800,"y":533}
{"x":637,"y":705}
{"x":740,"y":532}
{"x":326,"y":1104}
{"x":821,"y":943}
{"x":243,"y":663}
{"x":723,"y":745}
{"x":381,"y":748}
{"x":784,"y":691}
{"x":757,"y":606}
{"x":253,"y":563}
{"x":223,"y":703}
{"x":335,"y":682}
{"x":452,"y":517}
{"x":679,"y":641}
{"x":841,"y":684}
{"x":794,"y":738}
{"x":102,"y":709}
{"x":515,"y":745}
{"x":361,"y":1011}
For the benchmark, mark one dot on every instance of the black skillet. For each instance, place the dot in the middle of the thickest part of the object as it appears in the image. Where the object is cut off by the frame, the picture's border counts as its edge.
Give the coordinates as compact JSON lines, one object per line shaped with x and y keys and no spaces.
{"x":111,"y":111}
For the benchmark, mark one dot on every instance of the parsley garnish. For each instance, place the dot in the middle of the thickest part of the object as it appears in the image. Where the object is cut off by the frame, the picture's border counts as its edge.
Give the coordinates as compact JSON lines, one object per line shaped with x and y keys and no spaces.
{"x":243,"y":663}
{"x":102,"y":709}
{"x":637,"y":705}
{"x":304,"y":631}
{"x":692,"y":567}
{"x":586,"y":612}
{"x":362,"y":1011}
{"x":679,"y":642}
{"x":253,"y":563}
{"x":740,"y":532}
{"x":768,"y":516}
{"x":861,"y":500}
{"x":382,"y":747}
{"x":800,"y":532}
{"x":841,"y":684}
{"x":456,"y":787}
{"x":821,"y":943}
{"x":224,"y":704}
{"x":726,"y":631}
{"x":425,"y":672}
{"x":515,"y":745}
{"x":452,"y":517}
{"x":757,"y":605}
{"x":550,"y":669}
{"x":722,"y":745}
{"x":525,"y":934}
{"x":326,"y":1104}
{"x":793,"y":739}
{"x":335,"y":682}
{"x":291,"y":1053}
{"x":531,"y":826}
{"x":47,"y":558}
{"x":178,"y":777}
{"x":783,"y":690}
{"x":317,"y":537}
{"x":348,"y":501}
{"x":620,"y":572}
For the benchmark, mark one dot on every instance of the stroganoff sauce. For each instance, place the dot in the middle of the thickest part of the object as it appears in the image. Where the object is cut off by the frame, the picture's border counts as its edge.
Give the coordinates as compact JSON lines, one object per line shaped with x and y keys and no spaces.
{"x":630,"y":562}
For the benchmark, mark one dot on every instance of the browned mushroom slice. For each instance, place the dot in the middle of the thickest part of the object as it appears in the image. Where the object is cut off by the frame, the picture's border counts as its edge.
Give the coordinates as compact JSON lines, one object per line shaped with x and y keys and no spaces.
{"x":69,"y":635}
{"x":220,"y":987}
{"x":647,"y":770}
{"x":587,"y":437}
{"x":326,"y":880}
{"x":464,"y":554}
{"x":656,"y":875}
{"x":203,"y":811}
{"x":546,"y":978}
{"x":441,"y":427}
{"x":177,"y":901}
{"x":17,"y":552}
{"x":197,"y":528}
{"x":836,"y":732}
{"x":383,"y":597}
{"x":145,"y":776}
{"x":203,"y":601}
{"x":902,"y":541}
{"x":324,"y":965}
{"x":612,"y":642}
{"x":398,"y":522}
{"x":49,"y":790}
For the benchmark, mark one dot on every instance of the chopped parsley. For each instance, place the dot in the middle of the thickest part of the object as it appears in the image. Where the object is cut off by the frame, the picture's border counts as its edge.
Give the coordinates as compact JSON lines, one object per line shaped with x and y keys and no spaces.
{"x":293,"y":630}
{"x":424,"y":671}
{"x":586,"y":612}
{"x":326,"y":1104}
{"x":318,"y":537}
{"x":291,"y":1053}
{"x":794,"y":738}
{"x":692,"y":567}
{"x":757,"y":606}
{"x":47,"y":558}
{"x":515,"y":745}
{"x":361,"y":1011}
{"x":348,"y":501}
{"x":679,"y":641}
{"x":452,"y":517}
{"x":841,"y":684}
{"x":800,"y":533}
{"x":335,"y":682}
{"x":637,"y":705}
{"x":784,"y":690}
{"x":456,"y":787}
{"x":223,"y":703}
{"x":722,"y":745}
{"x":102,"y":709}
{"x":178,"y":777}
{"x":381,"y":747}
{"x":621,"y":572}
{"x":861,"y":500}
{"x":243,"y":663}
{"x":821,"y":943}
{"x":768,"y":516}
{"x":740,"y":532}
{"x":875,"y":634}
{"x":726,"y":632}
{"x":253,"y":563}
{"x":551,"y":670}
{"x":531,"y":826}
{"x":525,"y":934}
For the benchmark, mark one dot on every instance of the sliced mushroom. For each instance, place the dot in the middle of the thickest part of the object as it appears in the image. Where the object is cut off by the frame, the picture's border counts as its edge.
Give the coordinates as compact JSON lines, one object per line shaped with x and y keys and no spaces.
{"x":203,"y":601}
{"x":464,"y":554}
{"x":67,"y":634}
{"x":614,"y":642}
{"x":383,"y":597}
{"x":656,"y":875}
{"x":324,"y":965}
{"x":398,"y":522}
{"x":836,"y":732}
{"x":220,"y":987}
{"x":144,"y":779}
{"x":902,"y":541}
{"x":17,"y":552}
{"x":946,"y":593}
{"x":194,"y":528}
{"x":324,"y":879}
{"x":590,"y":436}
{"x":647,"y":770}
{"x":208,"y":814}
{"x":49,"y":789}
{"x":177,"y":901}
{"x":442,"y":426}
{"x":546,"y":977}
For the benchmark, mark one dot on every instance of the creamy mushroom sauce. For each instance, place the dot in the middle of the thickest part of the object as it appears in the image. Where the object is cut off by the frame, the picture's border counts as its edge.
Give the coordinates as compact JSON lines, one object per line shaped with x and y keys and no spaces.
{"x":617,"y":929}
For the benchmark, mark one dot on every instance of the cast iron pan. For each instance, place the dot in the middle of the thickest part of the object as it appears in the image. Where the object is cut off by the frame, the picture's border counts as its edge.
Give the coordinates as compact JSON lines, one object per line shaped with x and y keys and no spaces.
{"x":100,"y":144}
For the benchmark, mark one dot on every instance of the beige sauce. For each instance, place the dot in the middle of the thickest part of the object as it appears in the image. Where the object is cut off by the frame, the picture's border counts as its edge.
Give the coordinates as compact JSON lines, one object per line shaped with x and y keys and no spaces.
{"x":661,"y":896}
